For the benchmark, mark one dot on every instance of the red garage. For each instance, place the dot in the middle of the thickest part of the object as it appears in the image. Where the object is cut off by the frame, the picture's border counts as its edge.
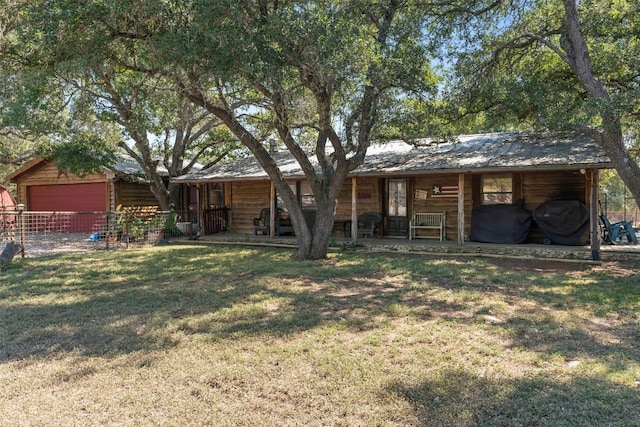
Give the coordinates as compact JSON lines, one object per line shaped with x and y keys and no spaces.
{"x":79,"y":197}
{"x":42,"y":187}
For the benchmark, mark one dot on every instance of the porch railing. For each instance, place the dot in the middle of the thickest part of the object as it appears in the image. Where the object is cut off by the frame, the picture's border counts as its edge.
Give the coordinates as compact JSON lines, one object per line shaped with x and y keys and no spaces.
{"x":215,"y":219}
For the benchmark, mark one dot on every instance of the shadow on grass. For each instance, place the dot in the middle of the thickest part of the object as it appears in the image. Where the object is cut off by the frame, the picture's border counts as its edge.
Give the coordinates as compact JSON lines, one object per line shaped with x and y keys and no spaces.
{"x":95,"y":305}
{"x":457,"y":398}
{"x":118,"y":303}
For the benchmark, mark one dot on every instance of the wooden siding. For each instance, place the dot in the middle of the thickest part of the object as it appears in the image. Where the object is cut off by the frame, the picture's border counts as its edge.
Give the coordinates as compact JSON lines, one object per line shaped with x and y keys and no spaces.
{"x":134,"y":194}
{"x":544,"y":186}
{"x":368,"y":199}
{"x":48,"y":174}
{"x":442,"y":203}
{"x":541,"y":187}
{"x":248,"y":199}
{"x":119,"y":193}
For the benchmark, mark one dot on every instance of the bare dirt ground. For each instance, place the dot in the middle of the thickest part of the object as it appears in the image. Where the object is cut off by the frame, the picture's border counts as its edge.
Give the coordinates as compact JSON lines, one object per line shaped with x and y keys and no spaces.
{"x":47,"y":244}
{"x":619,"y":268}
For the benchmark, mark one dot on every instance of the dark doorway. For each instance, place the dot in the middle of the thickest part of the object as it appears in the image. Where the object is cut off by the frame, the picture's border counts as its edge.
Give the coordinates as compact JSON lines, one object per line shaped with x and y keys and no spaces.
{"x":397,"y":220}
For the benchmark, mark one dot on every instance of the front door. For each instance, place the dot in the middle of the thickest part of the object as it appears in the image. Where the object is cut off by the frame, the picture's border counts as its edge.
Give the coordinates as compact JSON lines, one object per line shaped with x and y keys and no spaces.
{"x":397,"y":221}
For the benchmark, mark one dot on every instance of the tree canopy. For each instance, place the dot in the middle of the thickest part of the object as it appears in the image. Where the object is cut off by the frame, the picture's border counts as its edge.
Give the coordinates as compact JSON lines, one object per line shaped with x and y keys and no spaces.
{"x":319,"y":70}
{"x":72,"y":86}
{"x":324,"y":78}
{"x":560,"y":65}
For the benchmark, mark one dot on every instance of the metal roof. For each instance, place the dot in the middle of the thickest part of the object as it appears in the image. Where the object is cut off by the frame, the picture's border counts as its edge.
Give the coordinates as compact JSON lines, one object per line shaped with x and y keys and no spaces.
{"x":492,"y":152}
{"x":126,"y":166}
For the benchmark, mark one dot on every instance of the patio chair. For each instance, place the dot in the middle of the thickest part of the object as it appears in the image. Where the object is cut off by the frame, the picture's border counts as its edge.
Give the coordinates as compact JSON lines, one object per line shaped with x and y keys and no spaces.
{"x":617,"y":230}
{"x":261,"y":223}
{"x":367,"y":223}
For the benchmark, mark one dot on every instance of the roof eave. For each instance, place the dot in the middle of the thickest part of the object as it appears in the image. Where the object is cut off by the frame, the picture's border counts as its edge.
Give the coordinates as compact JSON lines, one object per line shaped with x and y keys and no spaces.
{"x":24,"y":169}
{"x":605,"y":165}
{"x":489,"y":169}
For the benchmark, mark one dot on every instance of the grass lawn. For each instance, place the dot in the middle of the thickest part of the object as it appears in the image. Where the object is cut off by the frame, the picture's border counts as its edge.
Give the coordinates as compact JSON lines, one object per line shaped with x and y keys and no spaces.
{"x":226,"y":336}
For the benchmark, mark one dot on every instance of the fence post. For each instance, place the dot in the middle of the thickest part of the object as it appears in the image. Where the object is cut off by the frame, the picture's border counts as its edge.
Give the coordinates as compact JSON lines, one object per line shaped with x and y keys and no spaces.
{"x":20,"y":208}
{"x":107,"y":231}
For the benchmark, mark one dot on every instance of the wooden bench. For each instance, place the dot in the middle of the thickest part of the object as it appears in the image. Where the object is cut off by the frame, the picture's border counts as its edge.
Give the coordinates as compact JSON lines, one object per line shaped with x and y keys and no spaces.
{"x":428,"y":221}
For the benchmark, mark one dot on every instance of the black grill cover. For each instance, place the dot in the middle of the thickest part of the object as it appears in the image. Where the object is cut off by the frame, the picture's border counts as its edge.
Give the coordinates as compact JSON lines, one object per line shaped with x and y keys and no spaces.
{"x":563,"y":222}
{"x":500,"y":224}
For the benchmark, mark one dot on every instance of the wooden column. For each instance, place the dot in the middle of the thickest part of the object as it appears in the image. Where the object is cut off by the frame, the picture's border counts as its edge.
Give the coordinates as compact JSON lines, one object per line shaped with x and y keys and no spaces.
{"x":354,"y":209}
{"x":461,"y":209}
{"x":199,"y":211}
{"x":595,"y":234}
{"x":272,"y":211}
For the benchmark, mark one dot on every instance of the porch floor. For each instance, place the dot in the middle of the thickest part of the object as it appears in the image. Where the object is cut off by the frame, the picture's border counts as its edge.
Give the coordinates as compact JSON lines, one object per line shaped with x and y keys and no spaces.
{"x":619,"y":252}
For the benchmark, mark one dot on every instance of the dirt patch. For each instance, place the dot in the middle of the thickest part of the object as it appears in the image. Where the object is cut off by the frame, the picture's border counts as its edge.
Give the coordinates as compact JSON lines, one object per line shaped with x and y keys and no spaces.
{"x":541,"y":265}
{"x":618,"y":268}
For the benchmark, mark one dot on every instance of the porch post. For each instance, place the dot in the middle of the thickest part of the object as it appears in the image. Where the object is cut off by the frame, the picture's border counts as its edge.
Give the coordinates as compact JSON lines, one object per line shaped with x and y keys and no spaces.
{"x":272,"y":211}
{"x":595,"y":235}
{"x":354,"y":209}
{"x":460,"y":209}
{"x":199,"y":211}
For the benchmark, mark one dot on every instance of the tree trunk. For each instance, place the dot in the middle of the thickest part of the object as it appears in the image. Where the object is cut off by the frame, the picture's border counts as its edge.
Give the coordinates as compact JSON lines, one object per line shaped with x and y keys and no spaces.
{"x":174,"y":194}
{"x":610,"y":135}
{"x":150,"y":167}
{"x":161,"y":194}
{"x":322,"y":231}
{"x":313,"y":242}
{"x":613,"y":143}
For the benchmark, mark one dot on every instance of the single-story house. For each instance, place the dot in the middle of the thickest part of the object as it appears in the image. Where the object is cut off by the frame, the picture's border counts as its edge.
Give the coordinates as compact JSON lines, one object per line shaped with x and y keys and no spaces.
{"x":398,"y":179}
{"x":42,"y":186}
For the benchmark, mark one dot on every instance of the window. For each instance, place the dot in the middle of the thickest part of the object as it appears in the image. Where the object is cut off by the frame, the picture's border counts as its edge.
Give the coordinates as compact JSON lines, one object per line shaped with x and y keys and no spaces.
{"x":303,"y":193}
{"x":216,"y":194}
{"x":397,"y":197}
{"x":497,"y":189}
{"x":307,"y":201}
{"x":280,"y":201}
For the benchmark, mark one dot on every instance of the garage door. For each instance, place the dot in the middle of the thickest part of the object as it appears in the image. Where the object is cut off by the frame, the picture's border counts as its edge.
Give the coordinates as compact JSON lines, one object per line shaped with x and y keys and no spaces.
{"x":67,"y":198}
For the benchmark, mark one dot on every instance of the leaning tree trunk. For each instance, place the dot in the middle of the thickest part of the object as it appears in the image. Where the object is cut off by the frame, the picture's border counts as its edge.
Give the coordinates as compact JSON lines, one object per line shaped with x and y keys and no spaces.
{"x":174,"y":195}
{"x":161,"y":194}
{"x":312,"y":244}
{"x":150,"y":168}
{"x":613,"y":143}
{"x":610,"y":136}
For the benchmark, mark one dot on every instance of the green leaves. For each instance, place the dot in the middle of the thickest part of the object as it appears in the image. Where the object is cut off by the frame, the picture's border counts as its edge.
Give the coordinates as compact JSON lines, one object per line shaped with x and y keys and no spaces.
{"x":81,"y":154}
{"x":518,"y":76}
